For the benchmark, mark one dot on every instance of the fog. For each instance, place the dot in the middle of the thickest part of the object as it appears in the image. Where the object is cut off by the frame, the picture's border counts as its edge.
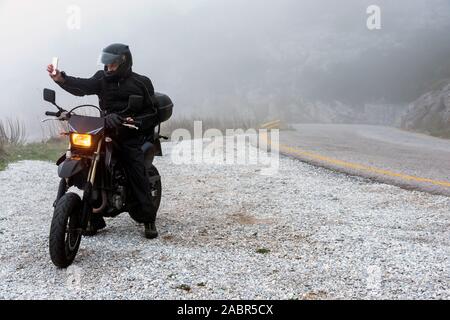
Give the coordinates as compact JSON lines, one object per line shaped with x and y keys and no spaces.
{"x":220,"y":55}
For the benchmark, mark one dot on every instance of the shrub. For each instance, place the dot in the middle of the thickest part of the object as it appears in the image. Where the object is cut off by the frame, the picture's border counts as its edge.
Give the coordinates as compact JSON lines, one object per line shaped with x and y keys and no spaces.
{"x":12,"y":132}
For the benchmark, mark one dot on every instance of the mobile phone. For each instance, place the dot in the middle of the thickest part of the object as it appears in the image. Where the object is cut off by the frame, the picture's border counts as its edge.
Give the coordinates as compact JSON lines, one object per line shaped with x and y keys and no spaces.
{"x":55,"y":65}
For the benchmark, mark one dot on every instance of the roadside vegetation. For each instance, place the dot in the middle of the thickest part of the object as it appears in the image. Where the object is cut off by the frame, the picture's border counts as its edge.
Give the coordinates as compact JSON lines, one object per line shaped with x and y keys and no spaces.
{"x":14,"y":147}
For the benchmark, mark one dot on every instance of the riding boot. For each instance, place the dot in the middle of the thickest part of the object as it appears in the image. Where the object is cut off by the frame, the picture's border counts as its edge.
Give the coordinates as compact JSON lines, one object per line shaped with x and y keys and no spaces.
{"x":150,"y":230}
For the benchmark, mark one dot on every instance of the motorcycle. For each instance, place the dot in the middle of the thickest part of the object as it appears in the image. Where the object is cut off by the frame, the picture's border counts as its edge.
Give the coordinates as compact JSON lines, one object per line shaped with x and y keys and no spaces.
{"x":90,"y":165}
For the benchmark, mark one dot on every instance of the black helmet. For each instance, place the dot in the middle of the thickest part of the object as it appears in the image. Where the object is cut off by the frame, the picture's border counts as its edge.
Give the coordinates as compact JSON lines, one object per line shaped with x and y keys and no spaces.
{"x":117,"y":53}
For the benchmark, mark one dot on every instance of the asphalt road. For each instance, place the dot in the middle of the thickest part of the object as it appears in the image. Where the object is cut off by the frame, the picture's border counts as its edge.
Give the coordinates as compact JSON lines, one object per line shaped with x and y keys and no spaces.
{"x":385,"y":154}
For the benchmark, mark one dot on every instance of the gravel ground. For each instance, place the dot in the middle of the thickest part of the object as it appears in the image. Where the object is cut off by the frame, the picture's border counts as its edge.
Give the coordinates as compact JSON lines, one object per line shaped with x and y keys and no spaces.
{"x":230,"y":232}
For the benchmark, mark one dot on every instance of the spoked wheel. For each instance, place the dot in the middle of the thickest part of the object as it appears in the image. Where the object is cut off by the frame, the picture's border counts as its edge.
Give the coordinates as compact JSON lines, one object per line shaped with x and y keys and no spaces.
{"x":155,"y":192}
{"x":65,"y":230}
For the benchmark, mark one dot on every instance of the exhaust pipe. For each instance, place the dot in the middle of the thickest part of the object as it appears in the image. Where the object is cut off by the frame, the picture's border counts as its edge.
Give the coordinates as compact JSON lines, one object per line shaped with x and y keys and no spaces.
{"x":103,"y":206}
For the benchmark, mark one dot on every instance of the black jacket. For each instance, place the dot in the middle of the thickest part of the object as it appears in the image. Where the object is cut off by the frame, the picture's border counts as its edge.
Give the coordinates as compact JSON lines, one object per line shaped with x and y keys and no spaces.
{"x":113,"y":94}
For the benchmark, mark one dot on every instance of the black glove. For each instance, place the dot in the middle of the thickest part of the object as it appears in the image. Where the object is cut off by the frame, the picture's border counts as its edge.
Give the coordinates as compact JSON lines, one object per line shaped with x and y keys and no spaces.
{"x":113,"y":121}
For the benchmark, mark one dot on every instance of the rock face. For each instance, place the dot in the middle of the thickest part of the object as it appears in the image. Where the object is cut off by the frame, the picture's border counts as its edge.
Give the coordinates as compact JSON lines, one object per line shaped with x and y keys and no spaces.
{"x":430,"y":113}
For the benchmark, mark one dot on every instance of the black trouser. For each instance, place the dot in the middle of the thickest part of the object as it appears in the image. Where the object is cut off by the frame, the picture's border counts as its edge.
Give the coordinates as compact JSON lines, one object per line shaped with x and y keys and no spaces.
{"x":131,"y":157}
{"x":132,"y":160}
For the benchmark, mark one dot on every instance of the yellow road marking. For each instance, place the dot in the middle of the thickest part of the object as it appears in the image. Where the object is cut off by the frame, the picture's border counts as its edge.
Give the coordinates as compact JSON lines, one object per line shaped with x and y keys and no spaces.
{"x":296,"y":151}
{"x":271,"y":124}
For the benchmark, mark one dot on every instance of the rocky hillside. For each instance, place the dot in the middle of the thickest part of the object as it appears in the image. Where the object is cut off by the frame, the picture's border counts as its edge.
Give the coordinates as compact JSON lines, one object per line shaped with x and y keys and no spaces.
{"x":430,"y":113}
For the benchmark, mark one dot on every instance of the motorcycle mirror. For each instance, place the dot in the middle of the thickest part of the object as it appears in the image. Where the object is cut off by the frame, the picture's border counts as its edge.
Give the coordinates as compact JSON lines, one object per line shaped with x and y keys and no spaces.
{"x":135,"y":102}
{"x":49,"y":96}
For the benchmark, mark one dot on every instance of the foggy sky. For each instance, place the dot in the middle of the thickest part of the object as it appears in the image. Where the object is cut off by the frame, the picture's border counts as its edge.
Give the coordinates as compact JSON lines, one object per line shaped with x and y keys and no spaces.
{"x":207,"y":54}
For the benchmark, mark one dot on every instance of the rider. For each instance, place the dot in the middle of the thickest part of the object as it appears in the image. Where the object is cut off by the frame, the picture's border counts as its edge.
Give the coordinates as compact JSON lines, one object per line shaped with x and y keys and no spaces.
{"x":113,"y":85}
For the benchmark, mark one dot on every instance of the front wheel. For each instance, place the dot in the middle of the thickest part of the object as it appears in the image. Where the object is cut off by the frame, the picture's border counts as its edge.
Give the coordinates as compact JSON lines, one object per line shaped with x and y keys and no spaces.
{"x":65,"y":230}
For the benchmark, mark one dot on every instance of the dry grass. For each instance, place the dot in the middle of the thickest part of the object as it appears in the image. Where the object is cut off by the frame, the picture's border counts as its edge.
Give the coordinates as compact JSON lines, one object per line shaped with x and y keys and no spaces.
{"x":13,"y":146}
{"x":2,"y":139}
{"x":2,"y":148}
{"x":51,"y":131}
{"x":12,"y":132}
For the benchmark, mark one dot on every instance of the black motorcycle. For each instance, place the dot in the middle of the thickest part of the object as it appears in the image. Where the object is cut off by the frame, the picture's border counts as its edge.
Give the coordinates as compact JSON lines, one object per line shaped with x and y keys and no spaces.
{"x":89,"y":164}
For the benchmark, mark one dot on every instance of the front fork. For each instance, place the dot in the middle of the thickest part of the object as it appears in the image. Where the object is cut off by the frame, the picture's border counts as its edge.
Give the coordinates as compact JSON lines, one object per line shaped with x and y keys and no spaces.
{"x":87,"y":194}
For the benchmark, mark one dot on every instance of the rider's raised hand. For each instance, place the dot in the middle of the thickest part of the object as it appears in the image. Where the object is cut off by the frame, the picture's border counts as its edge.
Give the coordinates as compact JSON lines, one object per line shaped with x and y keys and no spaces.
{"x":57,"y":77}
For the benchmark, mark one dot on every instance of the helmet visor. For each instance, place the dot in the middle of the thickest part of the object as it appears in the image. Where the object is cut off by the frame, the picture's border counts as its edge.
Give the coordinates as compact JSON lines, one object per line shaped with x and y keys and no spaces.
{"x":110,"y":58}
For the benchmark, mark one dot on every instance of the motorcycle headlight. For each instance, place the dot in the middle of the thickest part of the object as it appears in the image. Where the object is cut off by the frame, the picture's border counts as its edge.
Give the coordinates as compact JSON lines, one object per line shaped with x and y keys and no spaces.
{"x":81,"y":140}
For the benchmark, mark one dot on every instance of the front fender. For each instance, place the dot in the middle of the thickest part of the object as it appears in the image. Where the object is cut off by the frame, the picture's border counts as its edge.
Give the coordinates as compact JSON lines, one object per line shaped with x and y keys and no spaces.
{"x":70,"y":167}
{"x":61,"y":159}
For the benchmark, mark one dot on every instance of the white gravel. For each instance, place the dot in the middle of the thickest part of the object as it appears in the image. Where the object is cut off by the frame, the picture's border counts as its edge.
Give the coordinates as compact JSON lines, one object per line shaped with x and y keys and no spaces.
{"x":329,"y":236}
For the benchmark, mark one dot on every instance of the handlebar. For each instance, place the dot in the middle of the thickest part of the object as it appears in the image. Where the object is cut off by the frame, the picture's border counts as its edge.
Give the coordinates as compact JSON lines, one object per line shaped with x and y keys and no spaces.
{"x":65,"y":115}
{"x":52,"y":114}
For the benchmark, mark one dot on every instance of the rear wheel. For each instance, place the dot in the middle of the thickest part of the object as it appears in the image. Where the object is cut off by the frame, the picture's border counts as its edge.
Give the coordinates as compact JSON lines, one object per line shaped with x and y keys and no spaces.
{"x":65,"y":230}
{"x":155,"y":192}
